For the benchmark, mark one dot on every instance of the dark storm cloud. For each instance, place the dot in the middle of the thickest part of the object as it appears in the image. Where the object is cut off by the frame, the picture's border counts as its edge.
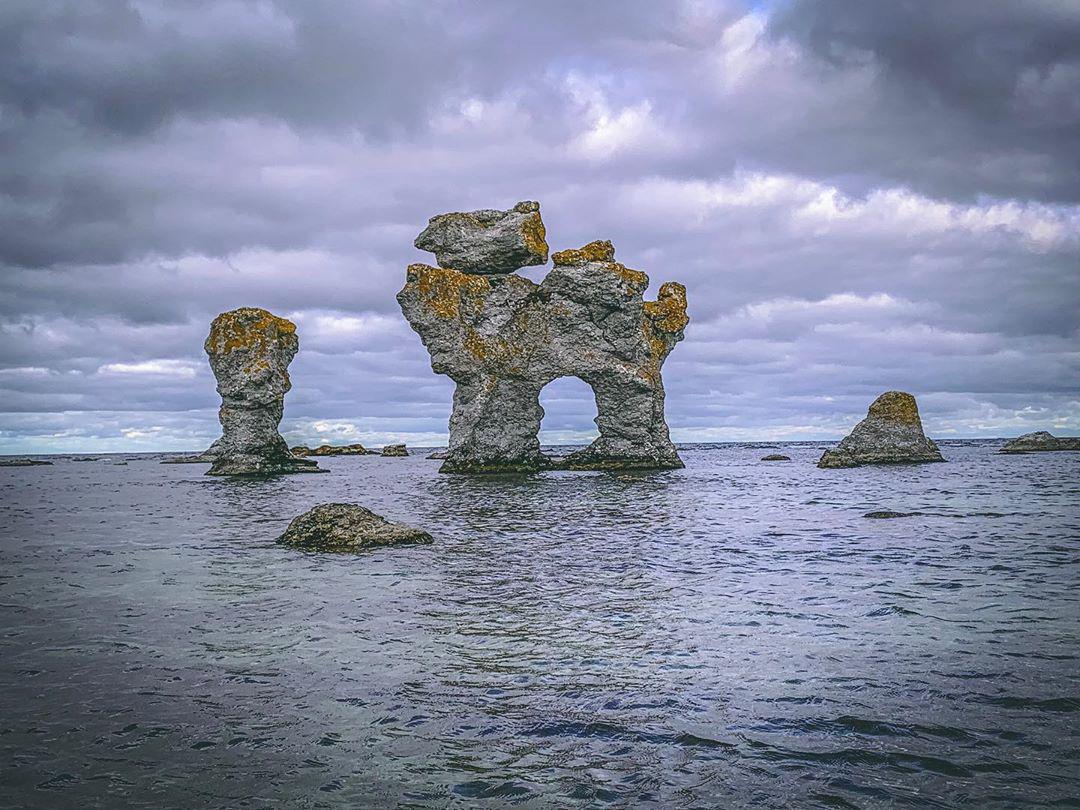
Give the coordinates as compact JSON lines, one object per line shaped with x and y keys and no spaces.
{"x":858,"y":197}
{"x":972,"y":97}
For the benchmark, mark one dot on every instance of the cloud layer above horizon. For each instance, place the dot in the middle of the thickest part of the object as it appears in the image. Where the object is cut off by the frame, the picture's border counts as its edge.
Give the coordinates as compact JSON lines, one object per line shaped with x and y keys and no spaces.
{"x":859,"y":197}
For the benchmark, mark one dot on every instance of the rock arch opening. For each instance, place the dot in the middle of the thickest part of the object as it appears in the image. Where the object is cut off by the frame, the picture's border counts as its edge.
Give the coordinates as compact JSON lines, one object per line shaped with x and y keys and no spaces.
{"x":569,"y":405}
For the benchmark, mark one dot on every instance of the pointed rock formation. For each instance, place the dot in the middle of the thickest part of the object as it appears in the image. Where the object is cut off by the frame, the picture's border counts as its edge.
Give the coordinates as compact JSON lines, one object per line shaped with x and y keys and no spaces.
{"x":250,"y":350}
{"x":891,"y":433}
{"x":1041,"y":442}
{"x":503,"y":338}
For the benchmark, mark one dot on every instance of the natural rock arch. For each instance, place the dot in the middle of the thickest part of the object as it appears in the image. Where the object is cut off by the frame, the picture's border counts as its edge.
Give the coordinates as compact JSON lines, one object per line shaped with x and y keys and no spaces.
{"x":502,"y":338}
{"x":555,"y":400}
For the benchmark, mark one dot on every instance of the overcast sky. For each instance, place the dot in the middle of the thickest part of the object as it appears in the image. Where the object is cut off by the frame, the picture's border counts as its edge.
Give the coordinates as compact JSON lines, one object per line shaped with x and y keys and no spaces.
{"x":858,"y":196}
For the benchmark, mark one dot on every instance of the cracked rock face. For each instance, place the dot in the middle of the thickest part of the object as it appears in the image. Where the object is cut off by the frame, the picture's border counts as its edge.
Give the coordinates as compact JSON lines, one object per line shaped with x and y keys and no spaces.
{"x":891,"y":433}
{"x":487,"y":242}
{"x":503,"y":338}
{"x":347,"y":527}
{"x":250,"y":351}
{"x":1041,"y":441}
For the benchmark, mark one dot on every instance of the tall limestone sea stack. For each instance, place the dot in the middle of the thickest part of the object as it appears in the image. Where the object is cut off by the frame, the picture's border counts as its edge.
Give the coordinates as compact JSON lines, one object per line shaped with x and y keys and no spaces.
{"x":891,"y":433}
{"x":502,"y":337}
{"x":250,"y":350}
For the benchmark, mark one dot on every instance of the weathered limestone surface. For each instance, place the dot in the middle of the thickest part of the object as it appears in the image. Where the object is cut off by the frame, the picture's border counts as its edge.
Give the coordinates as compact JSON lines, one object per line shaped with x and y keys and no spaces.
{"x":487,"y":242}
{"x":503,"y":338}
{"x":250,"y":350}
{"x":395,"y":450}
{"x":1041,"y":441}
{"x":891,"y":433}
{"x":347,"y":527}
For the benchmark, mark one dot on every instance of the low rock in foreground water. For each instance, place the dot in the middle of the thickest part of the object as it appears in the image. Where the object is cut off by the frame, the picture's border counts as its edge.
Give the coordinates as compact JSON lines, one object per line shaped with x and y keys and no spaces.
{"x":347,"y":527}
{"x":775,"y":457}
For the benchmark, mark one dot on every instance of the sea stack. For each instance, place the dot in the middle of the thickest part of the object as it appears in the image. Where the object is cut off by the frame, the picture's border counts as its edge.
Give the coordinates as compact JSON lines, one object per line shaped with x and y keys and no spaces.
{"x":1041,"y":442}
{"x":891,"y":433}
{"x":250,"y":350}
{"x":502,"y":337}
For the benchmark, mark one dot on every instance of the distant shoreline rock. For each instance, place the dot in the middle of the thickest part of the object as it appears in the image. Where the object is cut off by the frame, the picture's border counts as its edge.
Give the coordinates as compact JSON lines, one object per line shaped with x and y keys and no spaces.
{"x":332,"y":450}
{"x":343,"y":527}
{"x":23,"y":462}
{"x":1040,"y":441}
{"x":891,"y":433}
{"x":395,"y":450}
{"x":439,"y":455}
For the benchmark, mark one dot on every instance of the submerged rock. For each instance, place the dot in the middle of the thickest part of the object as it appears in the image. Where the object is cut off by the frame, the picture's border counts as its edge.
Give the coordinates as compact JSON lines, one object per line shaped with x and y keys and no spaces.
{"x":23,"y":462}
{"x":1041,"y":442}
{"x":487,"y":242}
{"x":886,"y":514}
{"x":502,"y":339}
{"x":775,"y":457}
{"x":347,"y":527}
{"x":250,"y":350}
{"x":395,"y":450}
{"x":891,"y":433}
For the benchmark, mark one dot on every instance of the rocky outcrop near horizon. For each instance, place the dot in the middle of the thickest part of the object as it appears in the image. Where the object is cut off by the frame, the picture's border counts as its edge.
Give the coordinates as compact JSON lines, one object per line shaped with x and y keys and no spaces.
{"x":502,"y":338}
{"x":891,"y":433}
{"x":1040,"y":441}
{"x":344,"y":527}
{"x":302,"y":450}
{"x":394,"y":451}
{"x":250,"y":350}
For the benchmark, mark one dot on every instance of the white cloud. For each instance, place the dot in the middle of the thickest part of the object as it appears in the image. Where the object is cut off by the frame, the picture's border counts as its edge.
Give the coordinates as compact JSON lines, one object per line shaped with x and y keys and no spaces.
{"x":170,"y":368}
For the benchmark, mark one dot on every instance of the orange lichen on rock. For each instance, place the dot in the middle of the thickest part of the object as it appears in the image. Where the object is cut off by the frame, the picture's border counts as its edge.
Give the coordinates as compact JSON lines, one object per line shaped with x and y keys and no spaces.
{"x":668,"y":311}
{"x":444,"y":290}
{"x":600,"y":250}
{"x":897,"y":406}
{"x":246,"y":328}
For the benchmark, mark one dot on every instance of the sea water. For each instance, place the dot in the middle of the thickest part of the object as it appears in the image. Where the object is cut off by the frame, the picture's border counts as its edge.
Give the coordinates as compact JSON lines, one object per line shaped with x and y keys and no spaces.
{"x":733,"y":634}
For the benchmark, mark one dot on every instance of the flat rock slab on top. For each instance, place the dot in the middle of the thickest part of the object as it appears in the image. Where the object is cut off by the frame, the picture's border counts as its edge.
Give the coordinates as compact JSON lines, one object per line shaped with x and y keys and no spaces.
{"x":487,"y":242}
{"x":347,"y":527}
{"x":1041,"y":442}
{"x":891,"y":433}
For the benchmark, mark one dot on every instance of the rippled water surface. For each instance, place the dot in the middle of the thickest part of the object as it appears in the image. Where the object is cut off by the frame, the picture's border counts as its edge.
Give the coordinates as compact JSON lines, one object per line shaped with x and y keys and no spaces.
{"x":733,"y":634}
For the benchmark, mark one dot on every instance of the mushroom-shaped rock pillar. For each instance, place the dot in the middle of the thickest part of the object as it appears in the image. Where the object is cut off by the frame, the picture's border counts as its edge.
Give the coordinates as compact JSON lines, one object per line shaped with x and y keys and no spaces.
{"x":250,"y":350}
{"x":502,"y":338}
